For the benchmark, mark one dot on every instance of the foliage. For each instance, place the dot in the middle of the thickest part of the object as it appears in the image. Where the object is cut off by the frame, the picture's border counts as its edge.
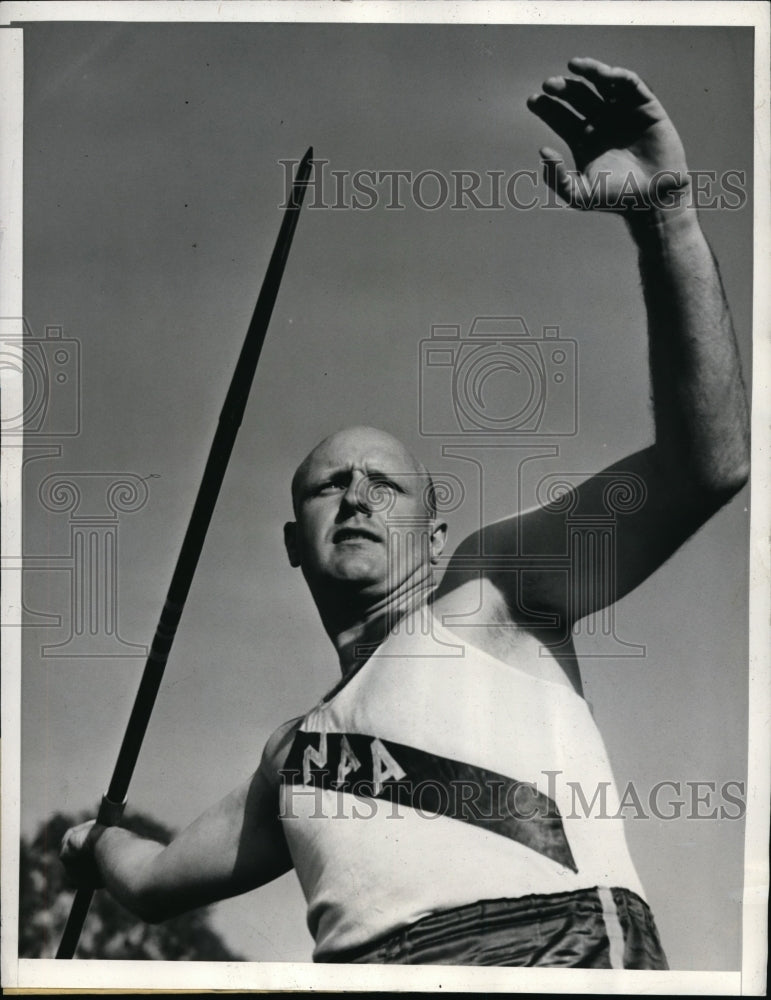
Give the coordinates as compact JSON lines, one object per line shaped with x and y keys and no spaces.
{"x":110,"y":931}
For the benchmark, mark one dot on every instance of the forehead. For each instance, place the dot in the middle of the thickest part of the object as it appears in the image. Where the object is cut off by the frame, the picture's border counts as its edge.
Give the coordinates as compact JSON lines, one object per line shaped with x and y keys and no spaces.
{"x":387,"y":455}
{"x":365,"y":449}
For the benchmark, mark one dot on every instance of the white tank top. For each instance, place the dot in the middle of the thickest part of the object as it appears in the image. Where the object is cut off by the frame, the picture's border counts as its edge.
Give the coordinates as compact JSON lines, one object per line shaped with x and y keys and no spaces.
{"x":438,"y":776}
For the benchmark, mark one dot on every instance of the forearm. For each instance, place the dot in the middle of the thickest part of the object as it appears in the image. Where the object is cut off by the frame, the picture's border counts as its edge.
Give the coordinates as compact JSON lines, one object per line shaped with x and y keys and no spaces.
{"x":156,"y":881}
{"x":700,"y":406}
{"x":235,"y":846}
{"x":125,"y":864}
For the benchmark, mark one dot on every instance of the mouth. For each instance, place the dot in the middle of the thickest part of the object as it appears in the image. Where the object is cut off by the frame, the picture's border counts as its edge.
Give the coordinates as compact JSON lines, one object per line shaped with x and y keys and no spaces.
{"x":354,"y":535}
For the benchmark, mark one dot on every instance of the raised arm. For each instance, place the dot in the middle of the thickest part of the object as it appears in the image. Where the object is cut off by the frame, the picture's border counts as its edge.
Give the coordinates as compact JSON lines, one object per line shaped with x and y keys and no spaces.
{"x":630,"y":161}
{"x":235,"y":846}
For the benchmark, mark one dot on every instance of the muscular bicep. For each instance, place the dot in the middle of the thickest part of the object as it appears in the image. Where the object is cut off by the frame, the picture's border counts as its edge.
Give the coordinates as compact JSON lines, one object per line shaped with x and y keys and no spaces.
{"x":591,"y":546}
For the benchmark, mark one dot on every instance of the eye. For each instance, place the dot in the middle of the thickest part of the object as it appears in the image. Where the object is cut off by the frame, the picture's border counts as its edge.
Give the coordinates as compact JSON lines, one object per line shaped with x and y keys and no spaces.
{"x":331,"y":486}
{"x":377,"y":484}
{"x":385,"y":481}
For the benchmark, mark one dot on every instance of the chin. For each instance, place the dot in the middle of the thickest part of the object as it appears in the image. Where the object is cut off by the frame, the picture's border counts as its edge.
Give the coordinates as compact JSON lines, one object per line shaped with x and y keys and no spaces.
{"x":351,"y":571}
{"x":363,"y":579}
{"x":355,"y":567}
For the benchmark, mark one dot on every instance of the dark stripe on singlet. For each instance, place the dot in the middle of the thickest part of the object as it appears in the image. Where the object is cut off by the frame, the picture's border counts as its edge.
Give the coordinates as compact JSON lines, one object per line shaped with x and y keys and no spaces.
{"x":433,"y":784}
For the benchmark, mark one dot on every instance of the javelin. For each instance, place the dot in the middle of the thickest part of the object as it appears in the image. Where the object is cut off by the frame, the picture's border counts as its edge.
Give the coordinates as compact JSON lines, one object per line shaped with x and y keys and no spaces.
{"x":114,"y":800}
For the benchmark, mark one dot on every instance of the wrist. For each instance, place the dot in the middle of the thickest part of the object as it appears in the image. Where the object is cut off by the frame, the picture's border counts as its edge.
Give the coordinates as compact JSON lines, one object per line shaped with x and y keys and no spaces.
{"x":124,"y":862}
{"x":670,"y":217}
{"x":100,"y":845}
{"x":108,"y":843}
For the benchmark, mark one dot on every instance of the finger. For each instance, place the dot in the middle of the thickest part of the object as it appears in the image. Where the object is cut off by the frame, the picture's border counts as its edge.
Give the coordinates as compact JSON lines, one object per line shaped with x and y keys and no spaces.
{"x":579,"y":95}
{"x":76,"y":836}
{"x":613,"y":82}
{"x":557,"y":177}
{"x":560,"y":119}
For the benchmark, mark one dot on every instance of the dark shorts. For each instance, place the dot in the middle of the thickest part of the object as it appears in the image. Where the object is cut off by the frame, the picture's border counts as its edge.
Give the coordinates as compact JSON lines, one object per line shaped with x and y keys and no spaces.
{"x":587,"y":929}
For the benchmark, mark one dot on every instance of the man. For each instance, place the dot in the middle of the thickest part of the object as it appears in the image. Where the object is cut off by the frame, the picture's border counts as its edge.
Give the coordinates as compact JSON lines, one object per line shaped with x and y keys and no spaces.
{"x":419,"y":800}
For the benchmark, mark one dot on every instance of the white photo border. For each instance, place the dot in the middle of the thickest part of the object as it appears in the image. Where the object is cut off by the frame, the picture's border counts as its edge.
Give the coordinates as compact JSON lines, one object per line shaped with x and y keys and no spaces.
{"x":28,"y":974}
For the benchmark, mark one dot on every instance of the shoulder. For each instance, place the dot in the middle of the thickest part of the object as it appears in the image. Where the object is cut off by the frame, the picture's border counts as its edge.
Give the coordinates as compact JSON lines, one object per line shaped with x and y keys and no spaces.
{"x":277,"y":747}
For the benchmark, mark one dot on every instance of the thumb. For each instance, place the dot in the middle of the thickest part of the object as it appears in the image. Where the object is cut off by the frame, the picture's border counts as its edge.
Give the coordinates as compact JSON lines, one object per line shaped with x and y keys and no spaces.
{"x":558,"y":178}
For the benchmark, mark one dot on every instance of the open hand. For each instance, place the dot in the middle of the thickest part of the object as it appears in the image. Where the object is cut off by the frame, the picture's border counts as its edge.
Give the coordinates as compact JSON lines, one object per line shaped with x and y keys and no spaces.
{"x":627,"y":152}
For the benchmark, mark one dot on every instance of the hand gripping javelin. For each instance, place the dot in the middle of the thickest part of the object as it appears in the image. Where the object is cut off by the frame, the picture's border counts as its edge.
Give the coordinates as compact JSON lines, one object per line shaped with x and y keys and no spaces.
{"x":114,"y":800}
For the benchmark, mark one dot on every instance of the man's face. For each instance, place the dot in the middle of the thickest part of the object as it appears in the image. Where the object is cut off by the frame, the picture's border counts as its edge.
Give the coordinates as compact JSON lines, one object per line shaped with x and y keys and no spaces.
{"x":362,"y":516}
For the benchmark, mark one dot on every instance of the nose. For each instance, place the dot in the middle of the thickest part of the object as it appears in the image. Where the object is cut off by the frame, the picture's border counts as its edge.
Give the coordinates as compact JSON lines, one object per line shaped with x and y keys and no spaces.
{"x":355,"y":496}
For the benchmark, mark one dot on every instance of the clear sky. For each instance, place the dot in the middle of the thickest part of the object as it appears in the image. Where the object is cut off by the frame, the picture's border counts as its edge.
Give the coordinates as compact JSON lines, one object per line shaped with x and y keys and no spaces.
{"x":152,"y":185}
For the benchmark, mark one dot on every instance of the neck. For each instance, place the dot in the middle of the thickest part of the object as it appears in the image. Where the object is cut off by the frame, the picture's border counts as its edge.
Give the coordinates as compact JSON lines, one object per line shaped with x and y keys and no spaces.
{"x":357,"y":623}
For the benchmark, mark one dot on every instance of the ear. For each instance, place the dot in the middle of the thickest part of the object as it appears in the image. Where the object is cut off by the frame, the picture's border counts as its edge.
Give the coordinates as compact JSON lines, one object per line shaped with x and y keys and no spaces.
{"x":438,"y":540}
{"x":290,"y":541}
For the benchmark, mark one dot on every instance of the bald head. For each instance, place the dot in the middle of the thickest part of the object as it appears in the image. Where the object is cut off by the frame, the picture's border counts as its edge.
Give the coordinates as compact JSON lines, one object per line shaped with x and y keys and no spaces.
{"x":366,"y":528}
{"x":363,"y":447}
